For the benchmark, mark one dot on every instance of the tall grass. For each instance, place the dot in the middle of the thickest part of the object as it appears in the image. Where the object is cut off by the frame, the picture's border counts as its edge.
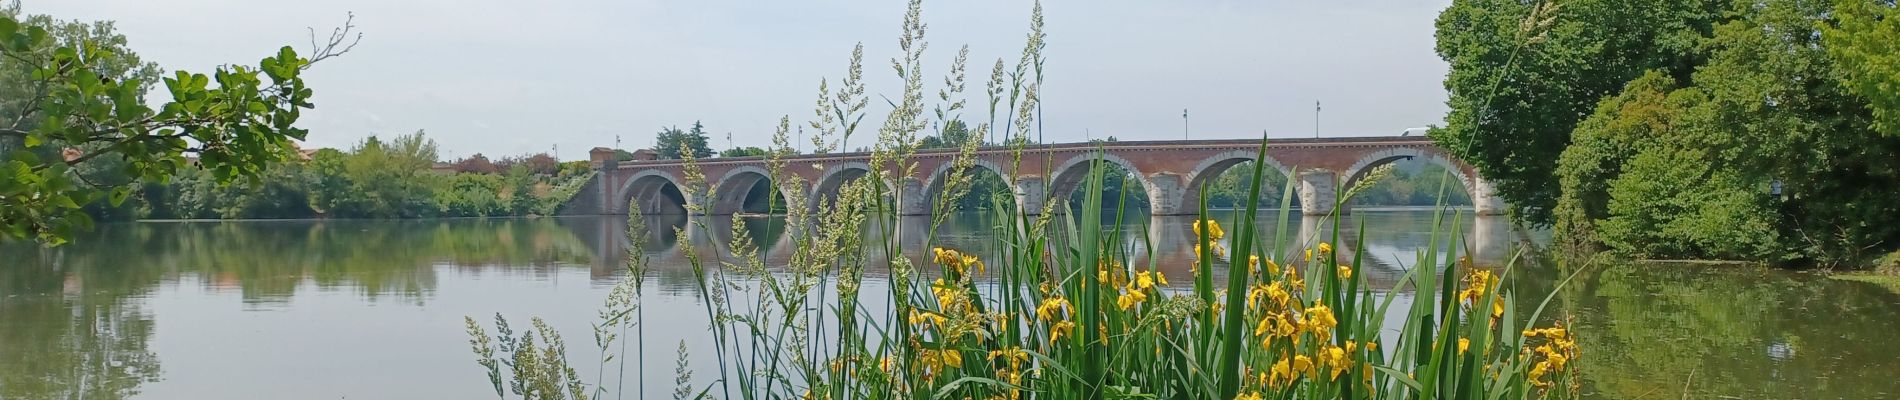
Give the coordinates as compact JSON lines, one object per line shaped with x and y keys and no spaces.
{"x":1058,"y":310}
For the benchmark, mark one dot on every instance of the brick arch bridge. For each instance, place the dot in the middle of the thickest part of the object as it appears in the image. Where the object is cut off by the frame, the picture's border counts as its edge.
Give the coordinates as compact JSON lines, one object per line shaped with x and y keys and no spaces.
{"x":1171,"y":172}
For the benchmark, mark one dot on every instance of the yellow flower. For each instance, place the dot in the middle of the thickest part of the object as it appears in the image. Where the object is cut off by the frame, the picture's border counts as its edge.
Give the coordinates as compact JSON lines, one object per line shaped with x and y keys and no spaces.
{"x":1281,"y":374}
{"x":1161,"y":278}
{"x":1144,"y":280}
{"x":1276,"y":291}
{"x":1303,"y":364}
{"x":955,"y":261}
{"x":1463,"y":344}
{"x":1283,"y":326}
{"x":1130,"y":298}
{"x":1537,"y":374}
{"x":1319,"y":321}
{"x":952,"y":358}
{"x":1248,"y":396}
{"x":1335,"y":360}
{"x":1273,"y":268}
{"x":1212,"y":230}
{"x":1015,"y":356}
{"x":1056,"y":332}
{"x":1218,"y":251}
{"x":1047,"y":311}
{"x":1325,"y":248}
{"x":1345,"y":272}
{"x":1476,"y":285}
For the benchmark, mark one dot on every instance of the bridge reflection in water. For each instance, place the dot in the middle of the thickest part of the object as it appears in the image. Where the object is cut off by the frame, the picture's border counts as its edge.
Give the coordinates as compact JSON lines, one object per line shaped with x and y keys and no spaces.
{"x":1392,"y":239}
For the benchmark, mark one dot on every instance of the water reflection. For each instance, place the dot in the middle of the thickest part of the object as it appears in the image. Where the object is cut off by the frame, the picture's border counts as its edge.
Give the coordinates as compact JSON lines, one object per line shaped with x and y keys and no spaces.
{"x":373,"y":308}
{"x":1392,"y":238}
{"x":1656,"y":331}
{"x":73,"y":336}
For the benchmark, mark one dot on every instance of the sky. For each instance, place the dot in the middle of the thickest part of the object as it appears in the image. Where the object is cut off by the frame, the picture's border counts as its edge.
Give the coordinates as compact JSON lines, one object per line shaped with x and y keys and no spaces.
{"x":507,"y":77}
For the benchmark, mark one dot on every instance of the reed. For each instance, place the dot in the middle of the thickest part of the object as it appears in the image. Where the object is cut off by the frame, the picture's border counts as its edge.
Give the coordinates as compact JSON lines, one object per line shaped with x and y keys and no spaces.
{"x":1060,"y":311}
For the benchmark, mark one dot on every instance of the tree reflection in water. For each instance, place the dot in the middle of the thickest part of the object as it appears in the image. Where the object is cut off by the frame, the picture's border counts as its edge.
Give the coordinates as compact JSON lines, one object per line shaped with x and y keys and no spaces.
{"x":79,"y":321}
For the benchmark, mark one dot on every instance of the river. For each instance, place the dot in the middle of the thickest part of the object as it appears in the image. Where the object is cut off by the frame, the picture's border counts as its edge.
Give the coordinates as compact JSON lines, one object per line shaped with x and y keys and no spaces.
{"x":374,"y":309}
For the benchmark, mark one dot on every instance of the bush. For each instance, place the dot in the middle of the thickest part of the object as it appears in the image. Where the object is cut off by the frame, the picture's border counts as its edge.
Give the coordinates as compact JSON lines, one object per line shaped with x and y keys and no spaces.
{"x":1674,"y":203}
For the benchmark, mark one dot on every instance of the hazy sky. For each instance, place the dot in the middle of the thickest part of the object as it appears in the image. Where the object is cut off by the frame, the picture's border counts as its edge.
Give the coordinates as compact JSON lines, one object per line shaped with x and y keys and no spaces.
{"x":510,"y":76}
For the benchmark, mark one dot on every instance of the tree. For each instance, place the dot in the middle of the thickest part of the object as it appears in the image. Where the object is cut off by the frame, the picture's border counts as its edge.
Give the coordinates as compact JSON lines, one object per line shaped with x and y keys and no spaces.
{"x":1762,"y":154}
{"x":748,"y":151}
{"x":1865,"y":43}
{"x":388,"y":179}
{"x":954,"y":134}
{"x":477,"y":164}
{"x":1523,"y":74}
{"x":537,"y":163}
{"x":670,"y":140}
{"x":83,"y":103}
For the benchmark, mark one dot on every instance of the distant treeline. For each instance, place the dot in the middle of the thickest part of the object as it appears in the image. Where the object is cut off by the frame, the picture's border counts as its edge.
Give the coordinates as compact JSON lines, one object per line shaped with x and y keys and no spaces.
{"x":397,"y":178}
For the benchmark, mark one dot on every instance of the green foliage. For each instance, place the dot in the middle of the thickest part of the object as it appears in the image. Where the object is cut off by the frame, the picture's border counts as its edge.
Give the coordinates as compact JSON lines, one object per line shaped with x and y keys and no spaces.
{"x":1670,"y":203}
{"x":955,"y":134}
{"x":388,"y":180}
{"x":1064,"y":311}
{"x":375,"y":179}
{"x":1414,"y":183}
{"x":670,"y":142}
{"x":1523,"y":74}
{"x":1605,"y":141}
{"x":1120,"y":190}
{"x":1865,"y":44}
{"x":85,"y":96}
{"x":1765,"y":100}
{"x":1230,"y":189}
{"x":748,"y":151}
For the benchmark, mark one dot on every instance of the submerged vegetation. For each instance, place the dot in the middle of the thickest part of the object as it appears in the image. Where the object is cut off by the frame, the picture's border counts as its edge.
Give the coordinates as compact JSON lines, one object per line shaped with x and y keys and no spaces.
{"x":1060,"y":310}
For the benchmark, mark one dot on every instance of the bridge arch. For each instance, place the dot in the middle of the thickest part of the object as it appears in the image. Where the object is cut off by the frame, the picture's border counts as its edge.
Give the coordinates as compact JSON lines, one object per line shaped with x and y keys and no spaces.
{"x":655,"y":191}
{"x":933,"y":183}
{"x":1364,"y":166}
{"x":1073,"y":174}
{"x":733,"y":190}
{"x":1212,"y":167}
{"x":824,"y":190}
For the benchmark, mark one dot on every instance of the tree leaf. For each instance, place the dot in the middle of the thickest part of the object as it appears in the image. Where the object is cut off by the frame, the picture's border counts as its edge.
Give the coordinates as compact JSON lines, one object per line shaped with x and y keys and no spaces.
{"x":119,"y":194}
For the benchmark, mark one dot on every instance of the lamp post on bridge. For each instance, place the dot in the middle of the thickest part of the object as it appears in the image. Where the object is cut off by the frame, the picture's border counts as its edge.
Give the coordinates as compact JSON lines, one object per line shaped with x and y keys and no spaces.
{"x":1184,"y":124}
{"x":1316,"y":119}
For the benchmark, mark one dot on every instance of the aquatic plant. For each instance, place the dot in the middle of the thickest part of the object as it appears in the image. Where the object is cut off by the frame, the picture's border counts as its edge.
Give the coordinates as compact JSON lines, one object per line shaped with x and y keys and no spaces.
{"x":1061,"y":310}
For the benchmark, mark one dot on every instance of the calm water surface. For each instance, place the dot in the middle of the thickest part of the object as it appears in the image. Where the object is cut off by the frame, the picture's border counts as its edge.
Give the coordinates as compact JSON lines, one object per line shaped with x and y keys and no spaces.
{"x":373,"y":309}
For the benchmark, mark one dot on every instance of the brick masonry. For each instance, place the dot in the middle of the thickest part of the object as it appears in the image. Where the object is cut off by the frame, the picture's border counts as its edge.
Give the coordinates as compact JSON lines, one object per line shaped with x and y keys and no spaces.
{"x":1172,"y":172}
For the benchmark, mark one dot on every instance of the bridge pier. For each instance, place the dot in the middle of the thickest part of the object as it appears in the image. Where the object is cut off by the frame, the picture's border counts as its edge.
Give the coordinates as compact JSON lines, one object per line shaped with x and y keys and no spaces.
{"x":1485,"y":199}
{"x":1031,"y":193}
{"x":911,"y":199}
{"x":1166,"y":196}
{"x":1318,"y":190}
